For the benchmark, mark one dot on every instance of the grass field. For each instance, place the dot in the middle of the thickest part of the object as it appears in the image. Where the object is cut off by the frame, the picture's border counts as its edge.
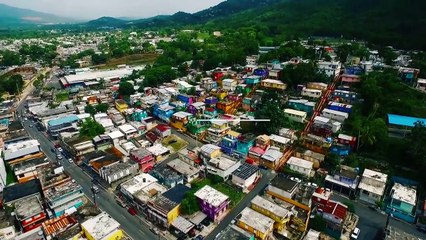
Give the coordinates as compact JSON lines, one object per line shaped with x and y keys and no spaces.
{"x":174,"y":142}
{"x":135,"y":59}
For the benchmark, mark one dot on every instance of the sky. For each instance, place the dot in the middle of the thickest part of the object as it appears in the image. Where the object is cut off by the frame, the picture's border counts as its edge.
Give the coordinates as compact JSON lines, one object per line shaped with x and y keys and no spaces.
{"x":92,"y":9}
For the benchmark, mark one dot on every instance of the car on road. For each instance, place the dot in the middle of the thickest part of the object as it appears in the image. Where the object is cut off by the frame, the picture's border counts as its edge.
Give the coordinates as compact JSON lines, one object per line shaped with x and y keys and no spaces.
{"x":60,"y":149}
{"x":59,"y":157}
{"x":95,"y":189}
{"x":25,"y":119}
{"x":70,"y":160}
{"x":355,"y":233}
{"x":132,"y":211}
{"x":155,"y":230}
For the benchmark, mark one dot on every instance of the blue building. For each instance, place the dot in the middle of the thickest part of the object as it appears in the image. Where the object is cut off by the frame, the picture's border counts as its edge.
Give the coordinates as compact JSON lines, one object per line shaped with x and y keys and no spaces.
{"x":302,"y":105}
{"x":63,"y":124}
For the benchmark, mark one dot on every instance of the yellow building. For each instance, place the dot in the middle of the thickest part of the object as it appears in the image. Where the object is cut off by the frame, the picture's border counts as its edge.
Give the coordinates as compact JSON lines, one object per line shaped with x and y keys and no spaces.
{"x":260,"y":225}
{"x":102,"y":227}
{"x":273,"y":84}
{"x":280,"y":215}
{"x":179,"y":120}
{"x":121,"y":105}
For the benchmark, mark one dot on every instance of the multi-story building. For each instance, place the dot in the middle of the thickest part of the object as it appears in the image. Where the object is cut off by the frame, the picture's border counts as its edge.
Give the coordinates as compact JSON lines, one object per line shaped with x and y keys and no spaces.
{"x":217,"y":131}
{"x":345,"y":180}
{"x":63,"y":195}
{"x":271,"y":158}
{"x":222,"y":166}
{"x":144,"y":158}
{"x":212,"y":202}
{"x":246,"y":176}
{"x":189,"y":172}
{"x":301,"y":166}
{"x":229,"y":142}
{"x":280,"y":215}
{"x":29,"y":212}
{"x":403,"y":202}
{"x":372,"y":186}
{"x":117,"y":171}
{"x":260,"y":225}
{"x":102,"y":227}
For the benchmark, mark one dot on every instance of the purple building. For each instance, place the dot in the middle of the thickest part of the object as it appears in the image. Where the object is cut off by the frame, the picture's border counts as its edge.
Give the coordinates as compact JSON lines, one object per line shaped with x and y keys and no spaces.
{"x":212,"y":202}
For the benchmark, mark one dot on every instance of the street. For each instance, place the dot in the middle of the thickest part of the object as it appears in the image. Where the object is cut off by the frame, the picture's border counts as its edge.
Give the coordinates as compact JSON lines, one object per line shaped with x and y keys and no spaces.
{"x":371,"y":221}
{"x":105,"y":200}
{"x":260,"y":186}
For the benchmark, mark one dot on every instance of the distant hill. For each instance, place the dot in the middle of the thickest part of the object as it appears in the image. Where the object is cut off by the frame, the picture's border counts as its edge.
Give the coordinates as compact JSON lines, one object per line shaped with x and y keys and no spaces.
{"x":106,"y":22}
{"x":18,"y":17}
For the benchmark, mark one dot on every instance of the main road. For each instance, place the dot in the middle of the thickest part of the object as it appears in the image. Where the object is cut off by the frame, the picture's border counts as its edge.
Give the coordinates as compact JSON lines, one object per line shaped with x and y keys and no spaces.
{"x":132,"y":225}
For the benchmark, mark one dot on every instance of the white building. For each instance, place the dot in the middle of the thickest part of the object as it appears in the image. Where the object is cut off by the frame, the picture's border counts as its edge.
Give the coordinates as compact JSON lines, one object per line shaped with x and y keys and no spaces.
{"x":295,"y":115}
{"x":3,"y":174}
{"x":404,"y":197}
{"x":222,"y":166}
{"x":334,"y":115}
{"x":301,"y":166}
{"x":330,"y":69}
{"x":100,"y":227}
{"x":229,"y":84}
{"x":245,"y":176}
{"x":190,"y":173}
{"x":372,"y":186}
{"x":128,"y":130}
{"x":312,"y":93}
{"x":20,"y":149}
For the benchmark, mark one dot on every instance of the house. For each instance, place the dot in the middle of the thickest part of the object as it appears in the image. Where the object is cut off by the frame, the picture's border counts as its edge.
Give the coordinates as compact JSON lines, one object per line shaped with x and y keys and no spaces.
{"x":159,"y":152}
{"x":141,"y":189}
{"x":295,"y":115}
{"x":235,"y":232}
{"x":421,"y":84}
{"x":121,"y":105}
{"x":345,"y":181}
{"x":212,"y":202}
{"x":279,"y":142}
{"x":144,"y":158}
{"x":244,"y":143}
{"x":128,"y":130}
{"x":54,"y":227}
{"x":197,"y":108}
{"x":62,"y":124}
{"x":217,"y":131}
{"x":334,"y":115}
{"x":29,"y":212}
{"x":102,"y":142}
{"x":17,"y":150}
{"x":118,"y":171}
{"x":403,"y":202}
{"x":301,"y":166}
{"x":301,"y":105}
{"x":316,"y":158}
{"x":329,"y":68}
{"x":349,"y":79}
{"x":29,"y":169}
{"x":344,"y":96}
{"x":167,"y":176}
{"x":222,"y":166}
{"x":273,"y":84}
{"x":372,"y":186}
{"x":245,"y":176}
{"x":209,"y":151}
{"x":229,"y":84}
{"x":183,"y":226}
{"x":163,"y":130}
{"x":317,"y":85}
{"x":189,"y":172}
{"x":321,"y":197}
{"x":280,"y":215}
{"x":398,"y":124}
{"x":102,"y":227}
{"x":334,"y":213}
{"x":190,"y":156}
{"x":311,"y":93}
{"x":260,"y":225}
{"x":271,"y":158}
{"x":15,"y":192}
{"x":342,"y":107}
{"x":229,"y":142}
{"x":347,"y":140}
{"x":166,"y":208}
{"x":179,"y":120}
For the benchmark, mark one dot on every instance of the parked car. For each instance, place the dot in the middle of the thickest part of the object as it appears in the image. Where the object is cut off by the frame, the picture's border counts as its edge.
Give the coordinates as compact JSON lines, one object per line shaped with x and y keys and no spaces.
{"x":132,"y":211}
{"x":355,"y":233}
{"x":60,"y":149}
{"x":95,"y":189}
{"x":70,"y":160}
{"x":155,"y":230}
{"x":59,"y":156}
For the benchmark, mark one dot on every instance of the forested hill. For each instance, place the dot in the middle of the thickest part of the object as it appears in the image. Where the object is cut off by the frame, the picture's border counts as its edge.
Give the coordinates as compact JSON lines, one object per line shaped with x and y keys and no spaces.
{"x":388,"y":22}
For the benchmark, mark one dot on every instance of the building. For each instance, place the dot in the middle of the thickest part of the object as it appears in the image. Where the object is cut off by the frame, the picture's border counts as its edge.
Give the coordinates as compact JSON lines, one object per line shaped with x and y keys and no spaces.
{"x":212,"y":202}
{"x":15,"y":192}
{"x":166,"y":208}
{"x":159,"y":152}
{"x":331,"y":69}
{"x":167,"y":176}
{"x":62,"y":124}
{"x":128,"y":130}
{"x":271,"y":158}
{"x":260,"y":225}
{"x":317,"y":85}
{"x":402,"y":125}
{"x":16,"y":150}
{"x":222,"y":166}
{"x":280,"y":142}
{"x":118,"y":170}
{"x":102,"y":227}
{"x":345,"y":180}
{"x":280,"y":215}
{"x":217,"y":131}
{"x":141,"y":189}
{"x":3,"y":174}
{"x":189,"y":172}
{"x":334,"y":115}
{"x":229,"y":84}
{"x":311,"y":93}
{"x":245,"y":176}
{"x":301,"y":166}
{"x":403,"y":202}
{"x":421,"y":84}
{"x":273,"y":84}
{"x":372,"y":186}
{"x":63,"y":195}
{"x":209,"y":151}
{"x":234,"y":232}
{"x":295,"y":115}
{"x":344,"y":96}
{"x":334,"y":213}
{"x":144,"y":158}
{"x":29,"y":212}
{"x":121,"y":105}
{"x":229,"y":142}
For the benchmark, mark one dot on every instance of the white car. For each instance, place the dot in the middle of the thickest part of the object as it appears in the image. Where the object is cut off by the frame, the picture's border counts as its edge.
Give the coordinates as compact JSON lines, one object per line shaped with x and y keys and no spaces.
{"x":60,"y":149}
{"x":70,"y":160}
{"x":355,"y":233}
{"x":59,"y":157}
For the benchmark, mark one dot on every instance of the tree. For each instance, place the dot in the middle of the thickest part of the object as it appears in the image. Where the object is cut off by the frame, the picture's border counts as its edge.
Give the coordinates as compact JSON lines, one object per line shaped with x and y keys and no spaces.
{"x":417,"y":147}
{"x":13,"y":84}
{"x":274,"y":114}
{"x":99,"y":59}
{"x":90,"y":109}
{"x":126,"y":89}
{"x":331,"y":161}
{"x":350,"y":205}
{"x":10,"y":59}
{"x":103,"y":107}
{"x":90,"y":128}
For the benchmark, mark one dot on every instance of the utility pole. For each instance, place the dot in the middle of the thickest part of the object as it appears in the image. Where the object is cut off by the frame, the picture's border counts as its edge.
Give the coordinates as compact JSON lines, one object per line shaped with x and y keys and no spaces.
{"x":94,"y":192}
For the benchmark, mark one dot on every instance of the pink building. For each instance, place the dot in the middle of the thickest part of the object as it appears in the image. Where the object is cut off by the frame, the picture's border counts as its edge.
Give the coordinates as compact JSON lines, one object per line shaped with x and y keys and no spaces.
{"x":144,"y":158}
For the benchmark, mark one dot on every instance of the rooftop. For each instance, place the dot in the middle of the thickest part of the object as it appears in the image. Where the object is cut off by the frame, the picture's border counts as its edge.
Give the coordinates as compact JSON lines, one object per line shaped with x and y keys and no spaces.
{"x":211,"y":196}
{"x":405,"y":121}
{"x":183,"y":167}
{"x":279,"y":139}
{"x":182,"y":224}
{"x":20,"y":190}
{"x":158,"y":149}
{"x":127,"y":129}
{"x":101,"y":226}
{"x":245,"y":171}
{"x":177,"y":193}
{"x":234,"y":232}
{"x":284,"y":183}
{"x":28,"y":207}
{"x":404,"y":193}
{"x":66,"y":119}
{"x":61,"y":190}
{"x":209,"y":148}
{"x":378,"y":176}
{"x":272,"y":154}
{"x":138,"y":183}
{"x":300,"y":162}
{"x":222,"y":163}
{"x":270,"y":206}
{"x":256,"y":220}
{"x":117,"y":167}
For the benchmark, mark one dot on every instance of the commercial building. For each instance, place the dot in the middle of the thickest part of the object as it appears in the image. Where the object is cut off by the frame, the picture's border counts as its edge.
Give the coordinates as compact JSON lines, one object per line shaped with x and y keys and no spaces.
{"x":189,"y":172}
{"x":13,"y":151}
{"x":102,"y":227}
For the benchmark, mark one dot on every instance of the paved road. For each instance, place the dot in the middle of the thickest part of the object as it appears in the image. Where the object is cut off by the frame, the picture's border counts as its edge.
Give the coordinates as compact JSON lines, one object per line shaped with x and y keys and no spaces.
{"x":105,"y":200}
{"x":264,"y":181}
{"x":371,"y":221}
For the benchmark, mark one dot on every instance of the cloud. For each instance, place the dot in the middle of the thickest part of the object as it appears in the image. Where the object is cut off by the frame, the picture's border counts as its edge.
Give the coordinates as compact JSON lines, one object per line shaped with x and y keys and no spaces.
{"x":91,"y":9}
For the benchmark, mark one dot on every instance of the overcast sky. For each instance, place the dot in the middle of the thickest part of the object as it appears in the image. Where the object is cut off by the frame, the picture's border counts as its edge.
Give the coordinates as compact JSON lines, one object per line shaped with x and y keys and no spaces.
{"x":91,"y":9}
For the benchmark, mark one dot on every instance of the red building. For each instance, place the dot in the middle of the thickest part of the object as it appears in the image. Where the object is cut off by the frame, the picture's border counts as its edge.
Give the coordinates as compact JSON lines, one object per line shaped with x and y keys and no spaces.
{"x":144,"y":158}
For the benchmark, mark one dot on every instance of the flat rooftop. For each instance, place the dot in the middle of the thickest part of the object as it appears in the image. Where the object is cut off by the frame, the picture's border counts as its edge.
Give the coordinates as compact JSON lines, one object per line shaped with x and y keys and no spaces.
{"x":211,"y":196}
{"x":269,"y":206}
{"x":245,"y":171}
{"x":256,"y":220}
{"x":101,"y":226}
{"x":61,"y":190}
{"x":284,"y":183}
{"x":222,"y":163}
{"x":300,"y":162}
{"x":183,"y":167}
{"x":378,"y":176}
{"x":404,"y":193}
{"x":138,"y":183}
{"x":28,"y":207}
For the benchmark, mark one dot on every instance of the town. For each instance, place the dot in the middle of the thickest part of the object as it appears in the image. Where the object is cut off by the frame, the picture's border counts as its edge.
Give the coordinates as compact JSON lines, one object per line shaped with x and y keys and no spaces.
{"x":268,"y":149}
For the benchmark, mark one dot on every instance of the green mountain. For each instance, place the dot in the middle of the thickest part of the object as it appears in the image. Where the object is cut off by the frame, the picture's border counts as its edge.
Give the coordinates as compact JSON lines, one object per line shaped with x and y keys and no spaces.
{"x":106,"y":22}
{"x":399,"y":23}
{"x":11,"y":17}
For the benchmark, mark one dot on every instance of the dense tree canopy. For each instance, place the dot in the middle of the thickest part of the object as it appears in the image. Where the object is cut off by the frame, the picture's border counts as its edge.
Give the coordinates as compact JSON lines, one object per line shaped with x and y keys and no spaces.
{"x":126,"y":88}
{"x":11,"y":58}
{"x":91,"y":128}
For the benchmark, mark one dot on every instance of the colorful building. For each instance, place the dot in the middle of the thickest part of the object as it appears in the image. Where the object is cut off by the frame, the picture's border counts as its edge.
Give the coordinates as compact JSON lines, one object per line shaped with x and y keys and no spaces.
{"x":179,"y":120}
{"x":102,"y":227}
{"x":121,"y":105}
{"x":217,"y":131}
{"x":212,"y":202}
{"x":244,"y":143}
{"x":280,"y":215}
{"x":229,"y":142}
{"x":258,"y":224}
{"x":144,"y":158}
